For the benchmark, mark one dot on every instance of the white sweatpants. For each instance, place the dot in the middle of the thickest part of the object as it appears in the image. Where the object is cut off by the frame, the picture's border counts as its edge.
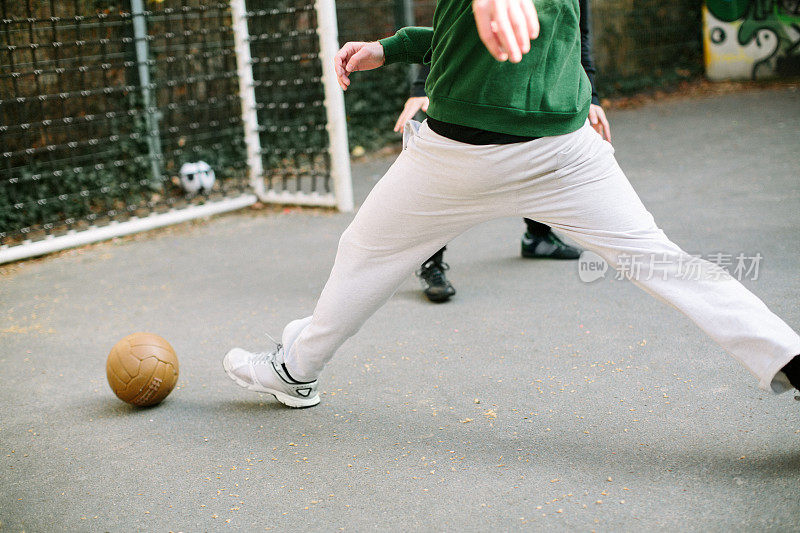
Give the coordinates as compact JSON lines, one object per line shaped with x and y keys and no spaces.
{"x":438,"y":188}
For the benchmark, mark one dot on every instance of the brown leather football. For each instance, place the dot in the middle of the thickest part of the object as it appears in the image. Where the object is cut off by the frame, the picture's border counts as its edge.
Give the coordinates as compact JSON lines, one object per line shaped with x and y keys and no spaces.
{"x":142,"y":369}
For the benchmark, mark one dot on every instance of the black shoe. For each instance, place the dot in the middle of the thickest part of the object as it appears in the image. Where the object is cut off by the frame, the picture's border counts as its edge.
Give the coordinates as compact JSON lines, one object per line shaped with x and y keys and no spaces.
{"x":792,"y":372}
{"x":434,"y":282}
{"x":548,"y":247}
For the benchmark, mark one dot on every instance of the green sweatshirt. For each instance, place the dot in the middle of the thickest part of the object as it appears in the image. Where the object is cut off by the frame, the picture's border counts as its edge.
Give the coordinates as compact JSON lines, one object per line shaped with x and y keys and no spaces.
{"x":547,"y":93}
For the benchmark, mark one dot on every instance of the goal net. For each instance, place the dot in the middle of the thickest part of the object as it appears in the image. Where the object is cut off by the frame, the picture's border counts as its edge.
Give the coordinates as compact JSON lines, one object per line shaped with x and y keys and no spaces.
{"x":121,"y":115}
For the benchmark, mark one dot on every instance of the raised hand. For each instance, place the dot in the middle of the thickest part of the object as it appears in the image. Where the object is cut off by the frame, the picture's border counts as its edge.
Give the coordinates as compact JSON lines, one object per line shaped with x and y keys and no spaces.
{"x":598,"y":120}
{"x":506,"y":27}
{"x":413,"y":104}
{"x":355,"y":56}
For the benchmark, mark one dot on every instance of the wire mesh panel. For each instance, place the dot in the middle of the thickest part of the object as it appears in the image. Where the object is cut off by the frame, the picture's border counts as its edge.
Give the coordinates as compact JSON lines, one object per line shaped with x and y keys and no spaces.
{"x":193,"y":69}
{"x":97,"y":118}
{"x":375,"y":98}
{"x":646,"y":43}
{"x":290,"y":98}
{"x":114,"y":110}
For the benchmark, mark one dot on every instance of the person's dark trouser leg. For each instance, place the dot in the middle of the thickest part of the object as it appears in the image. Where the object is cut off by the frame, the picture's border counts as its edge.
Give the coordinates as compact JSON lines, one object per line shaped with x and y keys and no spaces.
{"x":536,"y":229}
{"x":539,"y":242}
{"x":438,"y":257}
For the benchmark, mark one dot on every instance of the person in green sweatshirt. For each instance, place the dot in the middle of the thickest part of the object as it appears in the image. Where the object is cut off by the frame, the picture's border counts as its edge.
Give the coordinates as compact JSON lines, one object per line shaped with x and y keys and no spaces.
{"x":507,"y":135}
{"x":539,"y":241}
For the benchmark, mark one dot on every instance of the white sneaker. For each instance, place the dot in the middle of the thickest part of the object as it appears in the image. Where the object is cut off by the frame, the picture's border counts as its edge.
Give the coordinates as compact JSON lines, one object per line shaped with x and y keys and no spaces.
{"x":266,"y":372}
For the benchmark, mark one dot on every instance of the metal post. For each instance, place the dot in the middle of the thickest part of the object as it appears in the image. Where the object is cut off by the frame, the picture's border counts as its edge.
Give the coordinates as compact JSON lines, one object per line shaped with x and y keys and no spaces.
{"x":407,"y":11}
{"x":247,"y":96}
{"x":404,"y":17}
{"x":150,"y":109}
{"x":115,"y":229}
{"x":334,"y":105}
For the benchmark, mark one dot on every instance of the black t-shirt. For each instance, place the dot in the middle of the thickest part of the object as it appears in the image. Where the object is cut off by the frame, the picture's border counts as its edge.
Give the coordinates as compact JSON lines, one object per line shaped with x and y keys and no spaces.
{"x":468,"y":135}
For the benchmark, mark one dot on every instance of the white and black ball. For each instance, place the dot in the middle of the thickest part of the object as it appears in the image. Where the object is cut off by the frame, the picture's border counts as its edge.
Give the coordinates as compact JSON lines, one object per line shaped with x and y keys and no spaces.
{"x":197,"y":177}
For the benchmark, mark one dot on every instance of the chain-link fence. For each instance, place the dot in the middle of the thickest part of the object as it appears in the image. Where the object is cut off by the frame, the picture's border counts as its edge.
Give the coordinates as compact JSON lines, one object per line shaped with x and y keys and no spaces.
{"x":646,"y":43}
{"x":112,"y":110}
{"x":290,"y":98}
{"x":376,"y":98}
{"x":99,"y":113}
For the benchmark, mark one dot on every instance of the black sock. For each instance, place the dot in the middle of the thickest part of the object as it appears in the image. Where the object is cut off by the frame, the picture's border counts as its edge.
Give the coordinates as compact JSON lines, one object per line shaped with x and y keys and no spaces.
{"x":537,"y":229}
{"x":792,"y":371}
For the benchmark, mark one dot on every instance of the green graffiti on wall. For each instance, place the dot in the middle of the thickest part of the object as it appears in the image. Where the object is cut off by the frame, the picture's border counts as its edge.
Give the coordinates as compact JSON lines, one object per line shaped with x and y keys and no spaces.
{"x":759,"y":19}
{"x":787,"y":11}
{"x":727,"y":10}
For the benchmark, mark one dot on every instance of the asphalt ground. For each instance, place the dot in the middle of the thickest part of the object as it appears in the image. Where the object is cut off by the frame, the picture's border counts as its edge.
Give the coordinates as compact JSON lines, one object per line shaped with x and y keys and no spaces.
{"x":531,"y":401}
